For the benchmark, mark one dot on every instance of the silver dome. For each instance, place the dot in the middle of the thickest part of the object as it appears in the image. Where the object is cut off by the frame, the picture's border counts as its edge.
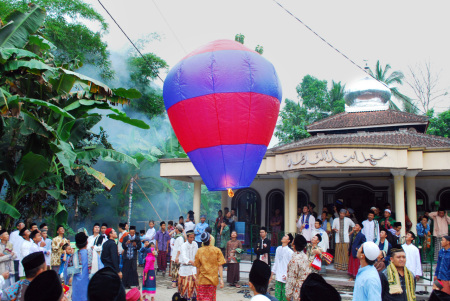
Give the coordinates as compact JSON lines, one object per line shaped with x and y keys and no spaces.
{"x":367,"y":94}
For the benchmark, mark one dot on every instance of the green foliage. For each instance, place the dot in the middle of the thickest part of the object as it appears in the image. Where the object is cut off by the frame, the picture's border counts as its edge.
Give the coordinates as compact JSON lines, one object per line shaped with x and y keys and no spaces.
{"x":317,"y":103}
{"x":47,"y":117}
{"x":64,"y":27}
{"x":239,"y":38}
{"x":391,"y":80}
{"x":7,"y":209}
{"x":440,"y":124}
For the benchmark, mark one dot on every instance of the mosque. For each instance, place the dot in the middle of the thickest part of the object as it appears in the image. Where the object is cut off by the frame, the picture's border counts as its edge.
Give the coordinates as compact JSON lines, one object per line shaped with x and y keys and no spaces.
{"x":366,"y":156}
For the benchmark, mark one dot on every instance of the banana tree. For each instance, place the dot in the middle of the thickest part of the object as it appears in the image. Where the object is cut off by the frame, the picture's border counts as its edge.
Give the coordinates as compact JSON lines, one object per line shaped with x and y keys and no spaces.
{"x":47,"y":114}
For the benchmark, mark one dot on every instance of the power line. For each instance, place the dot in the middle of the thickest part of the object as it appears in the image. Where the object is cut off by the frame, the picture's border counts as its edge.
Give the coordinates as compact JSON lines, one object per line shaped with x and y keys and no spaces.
{"x":137,"y":49}
{"x":337,"y":50}
{"x":170,"y":28}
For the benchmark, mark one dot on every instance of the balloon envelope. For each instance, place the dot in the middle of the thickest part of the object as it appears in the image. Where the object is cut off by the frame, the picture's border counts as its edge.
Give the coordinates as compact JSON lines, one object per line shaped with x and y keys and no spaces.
{"x":223,"y":101}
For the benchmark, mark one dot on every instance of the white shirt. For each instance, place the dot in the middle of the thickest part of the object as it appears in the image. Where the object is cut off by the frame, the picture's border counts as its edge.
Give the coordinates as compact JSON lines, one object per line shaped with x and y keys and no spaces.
{"x":413,"y":259}
{"x":347,"y":224}
{"x":176,"y":247}
{"x":150,"y":234}
{"x":369,"y":228}
{"x":187,"y":253}
{"x":119,"y":245}
{"x":189,"y":226}
{"x":92,"y":240}
{"x":16,"y":241}
{"x":303,"y":220}
{"x":24,"y":251}
{"x":324,"y":244}
{"x":282,"y":257}
{"x":37,"y":248}
{"x":259,"y":298}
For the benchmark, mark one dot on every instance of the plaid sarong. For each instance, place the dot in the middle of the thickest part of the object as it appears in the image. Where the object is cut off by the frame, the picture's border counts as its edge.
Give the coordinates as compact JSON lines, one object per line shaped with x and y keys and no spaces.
{"x":162,"y":261}
{"x":341,"y":258}
{"x":206,"y":293}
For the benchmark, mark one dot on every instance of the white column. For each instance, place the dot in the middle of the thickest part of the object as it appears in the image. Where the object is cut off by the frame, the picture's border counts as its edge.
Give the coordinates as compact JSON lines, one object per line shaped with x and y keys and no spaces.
{"x":315,"y":194}
{"x":411,"y":197}
{"x":224,"y":200}
{"x":293,"y":178}
{"x":286,"y":202}
{"x":197,"y":196}
{"x":399,"y":187}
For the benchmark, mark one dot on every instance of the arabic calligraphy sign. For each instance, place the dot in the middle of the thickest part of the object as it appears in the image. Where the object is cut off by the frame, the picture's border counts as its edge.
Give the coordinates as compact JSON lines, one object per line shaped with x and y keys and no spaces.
{"x":327,"y":156}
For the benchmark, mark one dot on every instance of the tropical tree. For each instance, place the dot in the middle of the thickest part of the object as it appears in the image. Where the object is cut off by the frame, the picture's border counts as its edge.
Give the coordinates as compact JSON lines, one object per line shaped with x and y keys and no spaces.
{"x":47,"y":116}
{"x":75,"y":42}
{"x":391,"y":80}
{"x":440,"y":124}
{"x":316,"y":102}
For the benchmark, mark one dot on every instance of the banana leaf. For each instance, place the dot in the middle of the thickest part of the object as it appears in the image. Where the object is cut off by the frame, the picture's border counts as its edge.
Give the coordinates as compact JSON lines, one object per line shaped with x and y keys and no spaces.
{"x":100,"y":177}
{"x":39,"y":102}
{"x":61,"y":214}
{"x":30,"y":168}
{"x":134,"y":122}
{"x":31,"y":64}
{"x":7,"y":53}
{"x":106,"y":155}
{"x":20,"y":26}
{"x":6,"y":208}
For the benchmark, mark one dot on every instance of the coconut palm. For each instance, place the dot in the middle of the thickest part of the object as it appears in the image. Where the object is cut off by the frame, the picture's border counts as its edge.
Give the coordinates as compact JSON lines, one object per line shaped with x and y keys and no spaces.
{"x":395,"y":77}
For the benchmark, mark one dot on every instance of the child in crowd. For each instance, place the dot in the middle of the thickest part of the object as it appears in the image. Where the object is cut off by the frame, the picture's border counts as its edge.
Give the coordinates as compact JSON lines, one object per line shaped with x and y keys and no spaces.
{"x":67,"y":253}
{"x":149,"y":281}
{"x":143,"y":251}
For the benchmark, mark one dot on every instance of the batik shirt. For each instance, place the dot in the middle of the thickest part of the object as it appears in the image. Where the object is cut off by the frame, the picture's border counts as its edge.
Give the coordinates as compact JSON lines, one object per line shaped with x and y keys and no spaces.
{"x":298,"y":270}
{"x":16,"y":291}
{"x":207,"y":260}
{"x":57,"y":249}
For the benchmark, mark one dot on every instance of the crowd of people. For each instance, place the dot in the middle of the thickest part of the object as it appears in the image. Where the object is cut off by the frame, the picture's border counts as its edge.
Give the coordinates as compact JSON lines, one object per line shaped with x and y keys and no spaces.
{"x":102,"y":266}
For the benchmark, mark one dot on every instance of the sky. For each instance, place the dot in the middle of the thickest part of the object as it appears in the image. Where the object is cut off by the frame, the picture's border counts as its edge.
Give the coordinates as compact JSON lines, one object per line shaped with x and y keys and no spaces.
{"x":400,"y":33}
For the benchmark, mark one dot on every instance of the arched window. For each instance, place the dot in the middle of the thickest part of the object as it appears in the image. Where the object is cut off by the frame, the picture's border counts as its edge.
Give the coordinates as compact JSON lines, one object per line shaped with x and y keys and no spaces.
{"x":247,"y":203}
{"x":274,"y":201}
{"x":443,"y":197}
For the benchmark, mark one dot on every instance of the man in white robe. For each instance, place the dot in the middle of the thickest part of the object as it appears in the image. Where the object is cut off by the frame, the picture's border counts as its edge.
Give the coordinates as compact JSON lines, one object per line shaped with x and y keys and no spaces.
{"x":25,"y":248}
{"x":371,"y":228}
{"x":305,"y":224}
{"x":412,"y":255}
{"x":17,"y":241}
{"x":95,"y":245}
{"x":37,"y":244}
{"x":283,"y":255}
{"x":324,"y":243}
{"x":187,"y":282}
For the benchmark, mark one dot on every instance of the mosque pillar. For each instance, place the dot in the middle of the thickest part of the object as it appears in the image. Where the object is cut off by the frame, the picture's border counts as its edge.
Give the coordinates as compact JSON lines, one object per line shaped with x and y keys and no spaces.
{"x":315,"y":194}
{"x":224,"y":200}
{"x":293,"y":186}
{"x":197,"y":196}
{"x":286,"y":202}
{"x":399,"y":187}
{"x":411,"y":197}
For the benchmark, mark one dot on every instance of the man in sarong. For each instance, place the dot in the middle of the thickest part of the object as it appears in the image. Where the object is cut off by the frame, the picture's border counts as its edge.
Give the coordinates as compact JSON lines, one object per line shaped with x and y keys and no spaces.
{"x":209,"y":262}
{"x":131,"y":244}
{"x":33,"y":264}
{"x":187,"y":282}
{"x":397,"y":282}
{"x":341,"y":226}
{"x":175,"y":254}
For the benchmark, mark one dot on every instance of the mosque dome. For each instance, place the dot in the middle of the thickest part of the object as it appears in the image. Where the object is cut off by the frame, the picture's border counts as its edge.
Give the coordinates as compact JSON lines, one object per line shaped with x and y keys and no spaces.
{"x":367,"y":94}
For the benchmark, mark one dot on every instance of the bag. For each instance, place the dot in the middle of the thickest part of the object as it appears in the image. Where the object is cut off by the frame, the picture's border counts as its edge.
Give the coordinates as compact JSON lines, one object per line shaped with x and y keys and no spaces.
{"x":317,"y":263}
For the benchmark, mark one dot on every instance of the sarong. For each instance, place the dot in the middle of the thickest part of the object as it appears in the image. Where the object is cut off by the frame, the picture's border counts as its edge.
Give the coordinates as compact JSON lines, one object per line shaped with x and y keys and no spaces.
{"x":233,"y":273}
{"x":187,"y":286}
{"x":174,"y":271}
{"x":353,"y":266}
{"x":280,"y":291}
{"x":129,"y":271}
{"x":149,"y":286}
{"x":162,"y":261}
{"x":206,"y":293}
{"x":341,"y":258}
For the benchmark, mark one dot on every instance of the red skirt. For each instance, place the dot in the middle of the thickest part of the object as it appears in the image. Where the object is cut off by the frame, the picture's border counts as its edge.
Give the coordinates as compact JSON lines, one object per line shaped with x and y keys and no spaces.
{"x":353,"y":266}
{"x":206,"y":293}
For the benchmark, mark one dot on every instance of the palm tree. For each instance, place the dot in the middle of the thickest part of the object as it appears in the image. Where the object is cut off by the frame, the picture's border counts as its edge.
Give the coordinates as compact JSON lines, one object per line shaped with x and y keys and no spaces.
{"x":336,"y":97}
{"x":396,"y":77}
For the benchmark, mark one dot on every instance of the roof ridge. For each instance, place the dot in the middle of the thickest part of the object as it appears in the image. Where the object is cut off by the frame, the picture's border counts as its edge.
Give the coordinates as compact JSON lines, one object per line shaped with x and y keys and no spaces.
{"x":326,"y":119}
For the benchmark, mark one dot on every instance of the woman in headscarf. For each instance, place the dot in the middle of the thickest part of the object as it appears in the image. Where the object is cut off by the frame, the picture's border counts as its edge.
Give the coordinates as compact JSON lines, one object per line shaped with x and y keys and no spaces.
{"x":232,"y":256}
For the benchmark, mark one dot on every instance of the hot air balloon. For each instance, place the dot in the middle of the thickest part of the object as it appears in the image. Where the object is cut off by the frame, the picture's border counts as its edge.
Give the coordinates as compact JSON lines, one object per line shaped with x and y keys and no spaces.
{"x":223,"y":101}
